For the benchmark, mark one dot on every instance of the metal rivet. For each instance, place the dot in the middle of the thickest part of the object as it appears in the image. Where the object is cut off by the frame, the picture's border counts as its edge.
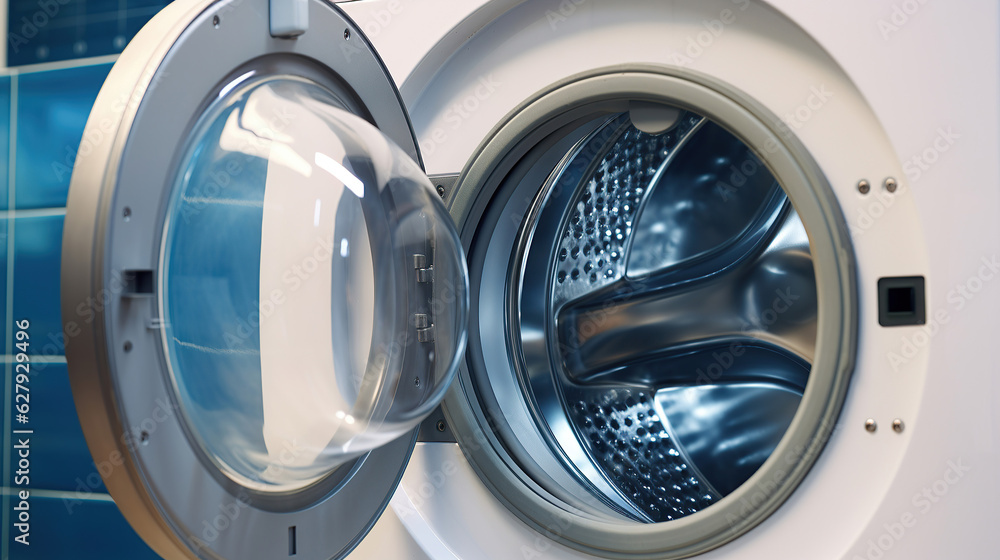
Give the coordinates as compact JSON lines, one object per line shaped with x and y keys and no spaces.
{"x":127,"y":346}
{"x":215,"y":21}
{"x":897,"y":426}
{"x":347,"y":34}
{"x":870,"y":425}
{"x":144,"y":438}
{"x":864,"y":186}
{"x":440,"y":425}
{"x":127,"y":213}
{"x":440,"y":190}
{"x":416,"y":381}
{"x":890,"y":184}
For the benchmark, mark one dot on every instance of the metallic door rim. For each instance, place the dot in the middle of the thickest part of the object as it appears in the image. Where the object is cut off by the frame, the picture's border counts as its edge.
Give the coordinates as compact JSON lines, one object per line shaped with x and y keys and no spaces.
{"x":92,"y":301}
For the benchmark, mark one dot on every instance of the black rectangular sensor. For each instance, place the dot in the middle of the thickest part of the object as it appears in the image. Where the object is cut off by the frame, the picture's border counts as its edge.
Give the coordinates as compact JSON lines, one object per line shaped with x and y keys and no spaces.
{"x":901,"y":301}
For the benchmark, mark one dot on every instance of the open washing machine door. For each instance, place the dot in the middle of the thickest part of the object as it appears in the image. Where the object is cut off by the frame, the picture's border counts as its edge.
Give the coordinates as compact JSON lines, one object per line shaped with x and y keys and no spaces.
{"x":279,"y":296}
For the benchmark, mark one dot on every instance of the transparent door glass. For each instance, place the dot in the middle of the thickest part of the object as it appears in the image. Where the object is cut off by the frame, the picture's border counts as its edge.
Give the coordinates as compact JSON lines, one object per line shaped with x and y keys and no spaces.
{"x":312,"y":285}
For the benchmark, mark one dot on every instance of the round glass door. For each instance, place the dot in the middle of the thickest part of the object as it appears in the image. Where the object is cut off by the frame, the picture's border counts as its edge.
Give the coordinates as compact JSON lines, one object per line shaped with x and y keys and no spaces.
{"x":314,"y":307}
{"x":283,"y":296}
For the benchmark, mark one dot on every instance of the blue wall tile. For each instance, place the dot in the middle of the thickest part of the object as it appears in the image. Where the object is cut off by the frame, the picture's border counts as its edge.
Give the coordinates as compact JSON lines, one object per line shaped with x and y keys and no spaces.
{"x":52,"y":110}
{"x":60,"y":459}
{"x":37,"y":251}
{"x":82,"y":530}
{"x":67,"y":29}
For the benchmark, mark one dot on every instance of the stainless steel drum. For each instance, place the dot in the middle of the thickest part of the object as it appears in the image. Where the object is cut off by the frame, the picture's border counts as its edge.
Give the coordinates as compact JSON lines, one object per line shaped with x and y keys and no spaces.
{"x":674,"y":306}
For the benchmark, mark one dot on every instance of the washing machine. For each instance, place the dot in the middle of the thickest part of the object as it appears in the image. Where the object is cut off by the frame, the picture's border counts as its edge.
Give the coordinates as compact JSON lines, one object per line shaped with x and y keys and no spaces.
{"x":544,"y":279}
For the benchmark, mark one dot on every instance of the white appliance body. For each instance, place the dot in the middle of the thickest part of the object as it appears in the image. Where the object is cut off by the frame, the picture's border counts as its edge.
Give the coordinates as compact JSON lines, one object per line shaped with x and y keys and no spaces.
{"x":919,"y":75}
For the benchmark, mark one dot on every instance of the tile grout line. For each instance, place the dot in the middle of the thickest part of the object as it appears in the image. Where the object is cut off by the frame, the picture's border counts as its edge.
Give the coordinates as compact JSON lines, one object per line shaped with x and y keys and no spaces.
{"x":37,"y":359}
{"x":58,"y":64}
{"x":9,"y":343}
{"x":32,"y":213}
{"x":63,"y":494}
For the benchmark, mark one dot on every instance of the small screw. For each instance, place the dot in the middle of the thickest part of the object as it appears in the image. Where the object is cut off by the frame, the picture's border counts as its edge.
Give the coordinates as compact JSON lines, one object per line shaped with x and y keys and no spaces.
{"x":127,"y":213}
{"x":416,"y":381}
{"x":440,"y":190}
{"x":440,"y":425}
{"x":347,"y":34}
{"x":864,"y":186}
{"x":897,"y":426}
{"x":890,"y":184}
{"x":215,"y":21}
{"x":870,"y":425}
{"x":127,"y":346}
{"x":144,"y":438}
